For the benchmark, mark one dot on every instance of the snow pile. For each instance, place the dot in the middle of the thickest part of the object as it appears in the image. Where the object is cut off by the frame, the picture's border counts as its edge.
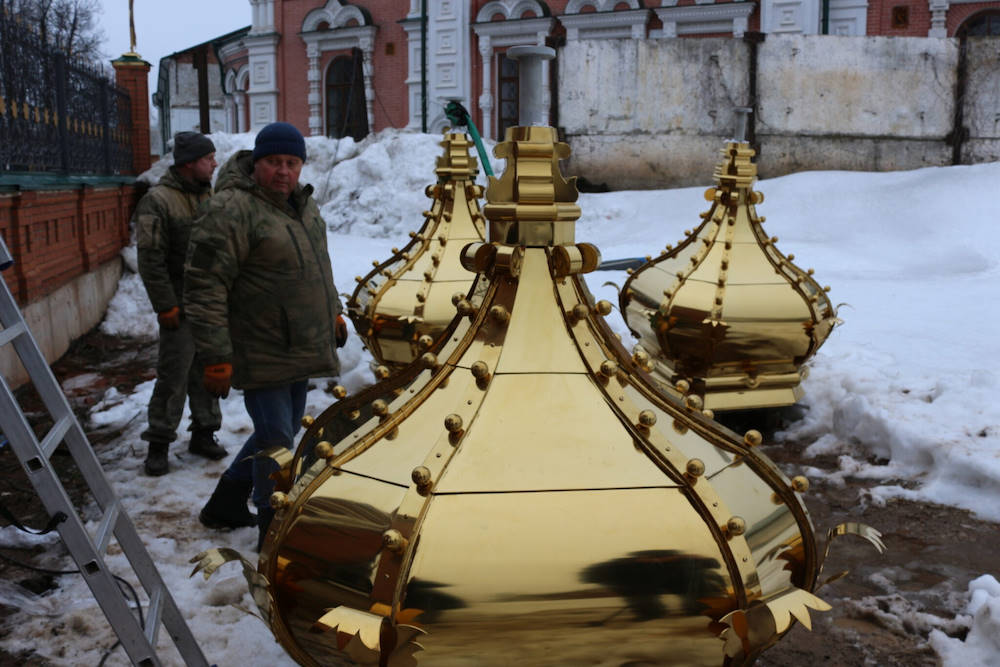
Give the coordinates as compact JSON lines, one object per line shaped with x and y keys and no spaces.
{"x":981,"y":646}
{"x":400,"y":168}
{"x":129,"y":312}
{"x":903,"y":389}
{"x":374,"y":187}
{"x":380,"y":193}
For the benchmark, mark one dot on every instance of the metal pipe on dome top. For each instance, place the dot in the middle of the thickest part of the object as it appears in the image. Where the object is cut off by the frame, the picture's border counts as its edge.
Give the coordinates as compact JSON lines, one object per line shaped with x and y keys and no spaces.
{"x":423,"y":65}
{"x":742,"y":119}
{"x":530,"y":91}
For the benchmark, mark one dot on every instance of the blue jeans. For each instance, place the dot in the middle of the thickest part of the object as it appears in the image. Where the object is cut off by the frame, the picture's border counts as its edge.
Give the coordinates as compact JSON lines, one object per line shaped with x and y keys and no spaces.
{"x":277,"y":415}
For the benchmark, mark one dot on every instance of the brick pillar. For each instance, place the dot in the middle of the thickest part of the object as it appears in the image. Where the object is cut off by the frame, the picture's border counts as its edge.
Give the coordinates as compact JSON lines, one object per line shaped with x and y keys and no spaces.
{"x":24,"y":247}
{"x":132,"y":73}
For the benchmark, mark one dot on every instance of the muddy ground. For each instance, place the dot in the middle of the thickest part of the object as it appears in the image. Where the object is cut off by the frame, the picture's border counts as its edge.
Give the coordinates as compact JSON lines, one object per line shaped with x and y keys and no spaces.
{"x":882,"y":611}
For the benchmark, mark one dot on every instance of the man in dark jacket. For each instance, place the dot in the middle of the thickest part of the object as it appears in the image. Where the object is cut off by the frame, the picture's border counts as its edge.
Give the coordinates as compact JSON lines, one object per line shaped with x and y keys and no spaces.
{"x":264,"y":309}
{"x":163,"y":222}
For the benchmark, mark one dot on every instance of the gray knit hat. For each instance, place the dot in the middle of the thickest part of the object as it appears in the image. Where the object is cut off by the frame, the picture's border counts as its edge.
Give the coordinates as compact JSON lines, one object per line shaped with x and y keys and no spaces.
{"x":189,"y":146}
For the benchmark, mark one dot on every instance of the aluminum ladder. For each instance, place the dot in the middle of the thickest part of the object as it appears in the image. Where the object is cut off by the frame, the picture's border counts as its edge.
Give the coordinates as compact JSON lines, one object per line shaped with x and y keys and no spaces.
{"x":87,"y":551}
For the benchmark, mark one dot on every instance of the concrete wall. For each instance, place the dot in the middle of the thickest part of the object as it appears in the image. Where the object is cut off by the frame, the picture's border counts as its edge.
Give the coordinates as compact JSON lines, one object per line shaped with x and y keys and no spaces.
{"x":184,"y":81}
{"x":59,"y":318}
{"x":653,"y":113}
{"x":647,"y":112}
{"x":855,"y":103}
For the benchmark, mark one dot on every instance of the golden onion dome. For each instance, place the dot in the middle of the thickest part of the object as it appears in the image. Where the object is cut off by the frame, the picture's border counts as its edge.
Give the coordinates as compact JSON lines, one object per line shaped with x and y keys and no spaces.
{"x":725,"y":311}
{"x":523,"y":493}
{"x":408,"y":296}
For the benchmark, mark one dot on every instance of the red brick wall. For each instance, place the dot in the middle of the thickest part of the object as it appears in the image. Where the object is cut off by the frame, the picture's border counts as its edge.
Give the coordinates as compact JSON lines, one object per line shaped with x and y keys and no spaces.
{"x":57,"y":235}
{"x":392,"y":108}
{"x":880,"y":18}
{"x":292,"y":65}
{"x":390,"y":69}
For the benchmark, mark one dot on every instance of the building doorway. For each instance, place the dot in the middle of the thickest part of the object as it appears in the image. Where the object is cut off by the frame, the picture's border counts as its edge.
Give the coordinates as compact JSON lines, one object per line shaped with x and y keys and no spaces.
{"x":345,"y":98}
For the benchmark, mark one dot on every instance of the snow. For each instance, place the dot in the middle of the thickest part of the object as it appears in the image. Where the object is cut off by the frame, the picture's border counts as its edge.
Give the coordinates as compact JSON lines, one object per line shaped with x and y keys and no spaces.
{"x":982,"y":645}
{"x":907,"y":380}
{"x":903,"y":392}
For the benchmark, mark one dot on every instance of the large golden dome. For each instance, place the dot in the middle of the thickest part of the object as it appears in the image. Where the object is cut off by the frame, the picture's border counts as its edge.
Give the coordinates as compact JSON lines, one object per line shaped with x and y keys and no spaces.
{"x":726,"y":313}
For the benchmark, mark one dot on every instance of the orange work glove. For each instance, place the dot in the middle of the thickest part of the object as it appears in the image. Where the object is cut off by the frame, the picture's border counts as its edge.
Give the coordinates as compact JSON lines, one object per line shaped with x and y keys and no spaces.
{"x":170,"y":319}
{"x":217,"y":379}
{"x":341,"y":331}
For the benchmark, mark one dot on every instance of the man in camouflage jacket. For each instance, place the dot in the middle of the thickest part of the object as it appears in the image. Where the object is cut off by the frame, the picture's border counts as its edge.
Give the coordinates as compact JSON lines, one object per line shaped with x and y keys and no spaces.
{"x":264,"y":308}
{"x":163,"y":222}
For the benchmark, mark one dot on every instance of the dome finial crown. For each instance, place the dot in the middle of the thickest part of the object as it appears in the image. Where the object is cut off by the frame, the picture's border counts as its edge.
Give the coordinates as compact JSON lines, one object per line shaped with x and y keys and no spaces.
{"x":532,"y":204}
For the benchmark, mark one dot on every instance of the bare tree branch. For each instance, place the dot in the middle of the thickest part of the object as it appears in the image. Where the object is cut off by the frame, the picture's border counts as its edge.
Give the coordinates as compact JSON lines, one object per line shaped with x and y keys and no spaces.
{"x":71,"y":26}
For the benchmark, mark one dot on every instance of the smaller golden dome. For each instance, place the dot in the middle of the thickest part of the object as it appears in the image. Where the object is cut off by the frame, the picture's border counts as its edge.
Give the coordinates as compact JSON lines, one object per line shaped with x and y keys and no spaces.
{"x":406,"y":300}
{"x":725,"y":312}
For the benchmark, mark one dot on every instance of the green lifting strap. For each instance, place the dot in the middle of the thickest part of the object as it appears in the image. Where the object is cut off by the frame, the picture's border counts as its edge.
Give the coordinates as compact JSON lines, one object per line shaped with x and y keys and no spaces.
{"x":459,"y":116}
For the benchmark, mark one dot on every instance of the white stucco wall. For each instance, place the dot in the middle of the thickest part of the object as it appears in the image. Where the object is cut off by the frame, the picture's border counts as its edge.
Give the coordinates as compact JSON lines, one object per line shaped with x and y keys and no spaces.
{"x":858,"y":103}
{"x":646,"y":111}
{"x":184,"y":84}
{"x":649,"y":113}
{"x":865,"y":86}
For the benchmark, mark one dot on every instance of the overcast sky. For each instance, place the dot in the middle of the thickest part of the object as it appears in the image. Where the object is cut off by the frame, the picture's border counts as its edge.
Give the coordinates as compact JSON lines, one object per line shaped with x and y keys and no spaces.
{"x":165,"y":26}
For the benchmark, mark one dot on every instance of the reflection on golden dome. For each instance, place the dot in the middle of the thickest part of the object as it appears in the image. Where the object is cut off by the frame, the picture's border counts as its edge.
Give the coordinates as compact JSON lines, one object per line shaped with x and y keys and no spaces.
{"x":409,"y":295}
{"x":725,"y":311}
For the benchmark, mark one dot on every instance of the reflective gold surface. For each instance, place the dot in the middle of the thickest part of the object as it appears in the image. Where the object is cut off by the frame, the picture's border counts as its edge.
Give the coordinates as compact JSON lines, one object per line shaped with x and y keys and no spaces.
{"x":409,"y":295}
{"x":725,"y":310}
{"x":525,"y":493}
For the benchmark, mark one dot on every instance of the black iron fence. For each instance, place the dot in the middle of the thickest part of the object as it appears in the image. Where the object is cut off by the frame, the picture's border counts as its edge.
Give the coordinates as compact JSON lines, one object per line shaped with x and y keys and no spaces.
{"x":57,"y":115}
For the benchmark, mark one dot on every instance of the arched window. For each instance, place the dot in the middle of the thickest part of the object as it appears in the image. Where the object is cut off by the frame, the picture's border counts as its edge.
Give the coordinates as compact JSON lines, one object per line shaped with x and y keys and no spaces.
{"x":983,"y":24}
{"x":345,"y":98}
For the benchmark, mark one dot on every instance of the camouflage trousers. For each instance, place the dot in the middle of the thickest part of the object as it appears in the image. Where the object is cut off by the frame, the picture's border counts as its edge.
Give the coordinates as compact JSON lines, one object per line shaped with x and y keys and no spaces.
{"x":179,"y":376}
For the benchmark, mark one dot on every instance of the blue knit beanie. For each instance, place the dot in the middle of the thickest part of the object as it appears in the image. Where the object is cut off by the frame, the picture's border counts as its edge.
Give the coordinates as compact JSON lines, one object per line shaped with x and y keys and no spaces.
{"x":279,"y":139}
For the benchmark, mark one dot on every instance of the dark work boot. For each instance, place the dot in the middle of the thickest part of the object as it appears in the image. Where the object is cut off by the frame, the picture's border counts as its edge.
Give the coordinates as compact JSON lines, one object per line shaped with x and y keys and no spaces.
{"x":264,"y":517}
{"x":203,"y":443}
{"x":227,"y":508}
{"x":156,"y":459}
